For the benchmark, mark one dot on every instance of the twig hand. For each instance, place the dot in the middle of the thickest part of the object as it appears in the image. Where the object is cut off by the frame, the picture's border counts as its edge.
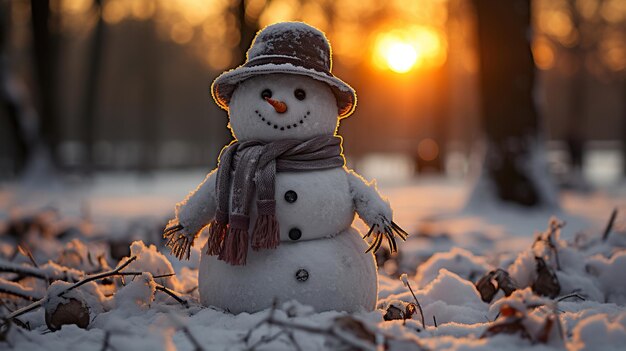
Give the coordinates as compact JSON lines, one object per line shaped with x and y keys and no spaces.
{"x":179,"y":243}
{"x":389,"y":230}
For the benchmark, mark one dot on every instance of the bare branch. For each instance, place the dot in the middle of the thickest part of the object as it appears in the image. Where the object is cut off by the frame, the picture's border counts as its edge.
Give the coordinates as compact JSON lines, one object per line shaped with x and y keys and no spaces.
{"x":37,"y":304}
{"x":15,"y":289}
{"x":26,"y":252}
{"x":99,"y":276}
{"x":171,"y":293}
{"x":11,"y":267}
{"x":33,"y":306}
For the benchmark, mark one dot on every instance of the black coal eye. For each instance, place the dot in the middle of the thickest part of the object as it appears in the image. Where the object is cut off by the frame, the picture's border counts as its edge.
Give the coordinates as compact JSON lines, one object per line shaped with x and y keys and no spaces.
{"x":266,"y":94}
{"x":299,"y":94}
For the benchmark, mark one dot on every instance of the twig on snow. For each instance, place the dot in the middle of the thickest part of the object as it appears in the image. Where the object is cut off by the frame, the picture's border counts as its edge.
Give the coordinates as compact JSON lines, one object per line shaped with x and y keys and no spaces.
{"x":11,"y":267}
{"x":35,"y":305}
{"x":99,"y":276}
{"x":609,"y":225}
{"x":405,"y":281}
{"x":287,"y":328}
{"x":15,"y":289}
{"x":26,"y":252}
{"x":105,"y":342}
{"x":576,"y":295}
{"x":171,"y":293}
{"x":192,"y":339}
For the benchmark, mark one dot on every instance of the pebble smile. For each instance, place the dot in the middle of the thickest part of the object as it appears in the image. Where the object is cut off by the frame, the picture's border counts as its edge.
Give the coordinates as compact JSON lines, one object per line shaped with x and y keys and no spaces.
{"x":276,"y":126}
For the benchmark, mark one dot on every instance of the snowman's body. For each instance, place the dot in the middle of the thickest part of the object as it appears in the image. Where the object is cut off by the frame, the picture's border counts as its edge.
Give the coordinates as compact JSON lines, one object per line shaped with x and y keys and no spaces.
{"x":321,"y":260}
{"x":328,"y":274}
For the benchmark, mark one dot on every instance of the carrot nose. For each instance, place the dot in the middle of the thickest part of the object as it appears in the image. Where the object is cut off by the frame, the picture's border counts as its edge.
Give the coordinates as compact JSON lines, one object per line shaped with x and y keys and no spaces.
{"x":279,"y":106}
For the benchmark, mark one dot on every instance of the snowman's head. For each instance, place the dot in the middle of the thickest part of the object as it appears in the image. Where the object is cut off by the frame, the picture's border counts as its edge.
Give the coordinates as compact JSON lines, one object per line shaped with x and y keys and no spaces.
{"x":285,"y":89}
{"x":282,"y":106}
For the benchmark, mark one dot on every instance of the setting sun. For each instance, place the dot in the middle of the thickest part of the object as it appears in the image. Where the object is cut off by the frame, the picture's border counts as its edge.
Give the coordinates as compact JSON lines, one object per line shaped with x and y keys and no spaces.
{"x":400,"y":57}
{"x":402,"y":50}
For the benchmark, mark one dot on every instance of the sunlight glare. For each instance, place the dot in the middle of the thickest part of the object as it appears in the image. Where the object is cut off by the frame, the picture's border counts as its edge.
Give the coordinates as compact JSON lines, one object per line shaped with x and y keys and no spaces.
{"x":403,"y":50}
{"x":401,"y":57}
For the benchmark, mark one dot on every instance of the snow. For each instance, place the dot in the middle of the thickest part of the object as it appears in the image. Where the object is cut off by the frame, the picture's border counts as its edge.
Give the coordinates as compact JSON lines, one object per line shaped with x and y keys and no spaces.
{"x":446,"y":246}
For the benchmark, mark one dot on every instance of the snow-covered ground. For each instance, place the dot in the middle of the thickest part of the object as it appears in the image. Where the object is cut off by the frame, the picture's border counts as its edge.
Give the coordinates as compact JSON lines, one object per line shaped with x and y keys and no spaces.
{"x":582,"y":279}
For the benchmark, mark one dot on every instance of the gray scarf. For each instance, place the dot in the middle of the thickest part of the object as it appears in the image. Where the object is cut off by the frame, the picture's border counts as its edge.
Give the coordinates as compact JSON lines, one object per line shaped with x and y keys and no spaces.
{"x":244,"y":166}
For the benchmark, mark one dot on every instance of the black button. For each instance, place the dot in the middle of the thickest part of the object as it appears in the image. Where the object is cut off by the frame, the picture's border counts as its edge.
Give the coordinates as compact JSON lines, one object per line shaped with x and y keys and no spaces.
{"x":291,"y":196}
{"x":295,"y":234}
{"x":302,"y":275}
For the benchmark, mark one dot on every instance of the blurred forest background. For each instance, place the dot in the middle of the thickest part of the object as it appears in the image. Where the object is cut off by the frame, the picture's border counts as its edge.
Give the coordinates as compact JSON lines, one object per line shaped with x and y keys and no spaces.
{"x":103,"y":85}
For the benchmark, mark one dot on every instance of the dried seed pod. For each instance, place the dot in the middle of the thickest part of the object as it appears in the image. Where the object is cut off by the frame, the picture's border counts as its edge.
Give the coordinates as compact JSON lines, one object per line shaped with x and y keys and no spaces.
{"x":486,"y":288}
{"x":70,"y":312}
{"x":393,"y":313}
{"x":547,"y":283}
{"x":505,"y":282}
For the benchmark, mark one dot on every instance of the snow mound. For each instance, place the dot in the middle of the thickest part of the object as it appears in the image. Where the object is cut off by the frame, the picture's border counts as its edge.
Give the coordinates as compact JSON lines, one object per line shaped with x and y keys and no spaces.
{"x":600,"y":332}
{"x":458,"y":261}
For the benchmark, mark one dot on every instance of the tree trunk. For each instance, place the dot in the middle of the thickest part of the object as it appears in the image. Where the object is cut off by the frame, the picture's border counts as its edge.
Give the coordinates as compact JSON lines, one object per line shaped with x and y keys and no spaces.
{"x":247,"y":30}
{"x":510,"y":120}
{"x":44,"y":44}
{"x":91,"y":89}
{"x":13,"y":141}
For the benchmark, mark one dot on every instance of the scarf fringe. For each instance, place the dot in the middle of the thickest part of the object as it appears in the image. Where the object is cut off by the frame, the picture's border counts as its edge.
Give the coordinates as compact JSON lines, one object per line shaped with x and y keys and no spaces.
{"x":217,"y":234}
{"x":235,"y":250}
{"x":266,"y":233}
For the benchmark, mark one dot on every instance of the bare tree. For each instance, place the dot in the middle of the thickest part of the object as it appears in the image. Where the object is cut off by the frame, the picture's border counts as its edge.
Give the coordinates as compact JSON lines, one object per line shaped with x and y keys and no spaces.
{"x":512,"y":169}
{"x":45,"y":50}
{"x":92,"y":79}
{"x":15,"y":147}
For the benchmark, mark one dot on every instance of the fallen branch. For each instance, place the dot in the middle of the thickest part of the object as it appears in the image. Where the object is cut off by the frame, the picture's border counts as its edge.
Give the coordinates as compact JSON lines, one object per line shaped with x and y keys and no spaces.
{"x":15,"y":289}
{"x":10,"y":267}
{"x":171,"y":293}
{"x":48,"y":272}
{"x":99,"y":276}
{"x":287,"y":327}
{"x":37,"y":304}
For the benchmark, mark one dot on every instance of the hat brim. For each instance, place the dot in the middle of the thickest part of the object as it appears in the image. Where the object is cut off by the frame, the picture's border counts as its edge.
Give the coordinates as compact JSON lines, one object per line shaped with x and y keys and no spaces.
{"x":224,"y":85}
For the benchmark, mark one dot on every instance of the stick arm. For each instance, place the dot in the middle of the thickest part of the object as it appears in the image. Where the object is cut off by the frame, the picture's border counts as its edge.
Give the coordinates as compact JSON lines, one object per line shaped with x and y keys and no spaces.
{"x":375,"y":211}
{"x":192,"y":214}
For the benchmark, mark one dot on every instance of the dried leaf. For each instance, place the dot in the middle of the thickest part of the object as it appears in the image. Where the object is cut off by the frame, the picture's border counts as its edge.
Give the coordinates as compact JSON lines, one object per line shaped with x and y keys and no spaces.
{"x":486,"y":288}
{"x":547,"y":283}
{"x":511,"y":321}
{"x":410,"y":310}
{"x":393,"y":313}
{"x":508,"y":326}
{"x":505,"y":282}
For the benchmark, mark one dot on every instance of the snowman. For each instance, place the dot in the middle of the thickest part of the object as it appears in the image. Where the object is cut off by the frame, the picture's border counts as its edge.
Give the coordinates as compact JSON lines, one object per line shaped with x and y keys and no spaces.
{"x":279,"y":208}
